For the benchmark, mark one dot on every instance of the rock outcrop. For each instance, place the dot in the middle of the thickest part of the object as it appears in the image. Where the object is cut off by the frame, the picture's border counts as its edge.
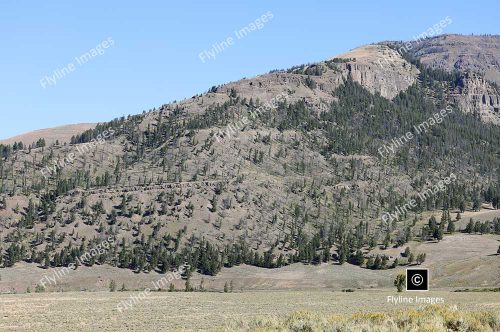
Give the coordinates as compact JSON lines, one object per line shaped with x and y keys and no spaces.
{"x":380,"y":69}
{"x":475,"y":94}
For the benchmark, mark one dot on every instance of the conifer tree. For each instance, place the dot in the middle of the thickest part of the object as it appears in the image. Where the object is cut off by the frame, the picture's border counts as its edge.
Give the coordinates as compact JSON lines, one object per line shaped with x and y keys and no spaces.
{"x":451,"y":227}
{"x":400,"y":282}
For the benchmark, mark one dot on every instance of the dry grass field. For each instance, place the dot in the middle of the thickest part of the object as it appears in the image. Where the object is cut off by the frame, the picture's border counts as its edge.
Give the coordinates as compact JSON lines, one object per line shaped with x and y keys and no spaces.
{"x":163,"y":311}
{"x":293,"y":298}
{"x":430,"y":318}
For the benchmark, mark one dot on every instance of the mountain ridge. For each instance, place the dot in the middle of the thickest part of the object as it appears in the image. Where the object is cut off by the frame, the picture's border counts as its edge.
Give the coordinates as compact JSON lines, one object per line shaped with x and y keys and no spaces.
{"x":377,"y":58}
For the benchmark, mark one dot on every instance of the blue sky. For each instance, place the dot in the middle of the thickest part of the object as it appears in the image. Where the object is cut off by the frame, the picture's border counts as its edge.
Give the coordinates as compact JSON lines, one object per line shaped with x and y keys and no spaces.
{"x":155,"y":55}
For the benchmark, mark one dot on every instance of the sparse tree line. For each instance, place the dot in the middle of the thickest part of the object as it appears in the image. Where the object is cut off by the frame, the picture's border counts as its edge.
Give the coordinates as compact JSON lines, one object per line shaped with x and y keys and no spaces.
{"x":485,"y":227}
{"x":163,"y":254}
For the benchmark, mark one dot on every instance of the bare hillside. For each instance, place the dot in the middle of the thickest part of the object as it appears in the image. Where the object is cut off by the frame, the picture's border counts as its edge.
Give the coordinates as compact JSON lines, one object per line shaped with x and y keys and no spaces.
{"x":480,"y":54}
{"x":62,"y":134}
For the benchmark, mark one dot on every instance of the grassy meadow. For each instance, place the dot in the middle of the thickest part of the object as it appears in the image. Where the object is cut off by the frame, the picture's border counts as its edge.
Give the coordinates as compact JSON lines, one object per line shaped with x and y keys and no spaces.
{"x":247,"y":311}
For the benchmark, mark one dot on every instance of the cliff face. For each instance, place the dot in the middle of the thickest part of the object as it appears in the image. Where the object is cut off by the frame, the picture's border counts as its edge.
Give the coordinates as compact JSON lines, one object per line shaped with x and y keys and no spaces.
{"x":478,"y":59}
{"x":379,"y":69}
{"x":475,"y":94}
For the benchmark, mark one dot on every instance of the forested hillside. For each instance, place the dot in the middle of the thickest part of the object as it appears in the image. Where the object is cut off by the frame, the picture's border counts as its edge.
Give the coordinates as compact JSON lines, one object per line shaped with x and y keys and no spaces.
{"x":203,"y":182}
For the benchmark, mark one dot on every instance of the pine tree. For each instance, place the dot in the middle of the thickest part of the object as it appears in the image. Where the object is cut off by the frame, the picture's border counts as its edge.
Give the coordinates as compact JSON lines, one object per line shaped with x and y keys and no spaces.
{"x":370,"y":263}
{"x":387,"y":241}
{"x":359,"y":258}
{"x":343,"y":251}
{"x":112,"y":286}
{"x":451,"y":227}
{"x":411,"y":258}
{"x":421,"y":258}
{"x":400,"y":282}
{"x":188,"y":287}
{"x":444,"y":218}
{"x":461,"y":206}
{"x":470,"y":226}
{"x":3,"y":203}
{"x":438,"y":233}
{"x":476,"y":204}
{"x":46,"y":263}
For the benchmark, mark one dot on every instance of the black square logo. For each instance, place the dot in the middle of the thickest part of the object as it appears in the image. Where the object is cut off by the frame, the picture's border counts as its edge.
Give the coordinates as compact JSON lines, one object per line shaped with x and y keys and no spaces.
{"x":417,"y":279}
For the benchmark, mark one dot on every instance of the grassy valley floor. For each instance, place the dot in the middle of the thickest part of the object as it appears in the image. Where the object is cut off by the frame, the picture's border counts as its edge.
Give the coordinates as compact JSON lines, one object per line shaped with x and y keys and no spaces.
{"x":163,"y":311}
